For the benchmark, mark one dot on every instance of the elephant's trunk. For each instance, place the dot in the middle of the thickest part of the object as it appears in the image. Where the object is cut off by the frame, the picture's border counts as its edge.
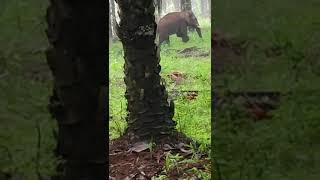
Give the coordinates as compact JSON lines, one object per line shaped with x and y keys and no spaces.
{"x":199,"y":32}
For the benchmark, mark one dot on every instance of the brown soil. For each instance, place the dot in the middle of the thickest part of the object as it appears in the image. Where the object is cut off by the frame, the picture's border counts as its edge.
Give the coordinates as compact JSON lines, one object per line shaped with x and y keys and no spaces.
{"x":191,"y":95}
{"x":193,"y":52}
{"x":177,"y":76}
{"x":227,"y":54}
{"x":256,"y":104}
{"x":184,"y":170}
{"x":126,"y":165}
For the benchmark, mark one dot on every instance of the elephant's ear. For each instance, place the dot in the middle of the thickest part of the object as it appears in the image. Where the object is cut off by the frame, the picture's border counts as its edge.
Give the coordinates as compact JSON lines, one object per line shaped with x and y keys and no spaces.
{"x":187,"y":17}
{"x":189,"y":13}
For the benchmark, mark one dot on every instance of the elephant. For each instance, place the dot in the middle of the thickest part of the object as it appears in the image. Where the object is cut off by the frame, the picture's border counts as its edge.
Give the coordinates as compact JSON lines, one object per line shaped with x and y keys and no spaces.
{"x":177,"y":23}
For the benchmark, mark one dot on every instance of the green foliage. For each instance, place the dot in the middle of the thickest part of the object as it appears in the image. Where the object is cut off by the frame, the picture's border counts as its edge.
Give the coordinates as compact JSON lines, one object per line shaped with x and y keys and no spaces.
{"x":171,"y":161}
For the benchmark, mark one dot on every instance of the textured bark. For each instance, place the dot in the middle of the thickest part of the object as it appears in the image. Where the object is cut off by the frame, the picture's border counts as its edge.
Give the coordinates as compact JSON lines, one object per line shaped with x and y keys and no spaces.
{"x":186,"y":5}
{"x":78,"y":60}
{"x":149,"y":113}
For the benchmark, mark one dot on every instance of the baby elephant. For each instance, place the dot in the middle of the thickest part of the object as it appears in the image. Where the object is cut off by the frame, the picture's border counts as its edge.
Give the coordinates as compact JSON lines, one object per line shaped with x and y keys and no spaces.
{"x":177,"y":23}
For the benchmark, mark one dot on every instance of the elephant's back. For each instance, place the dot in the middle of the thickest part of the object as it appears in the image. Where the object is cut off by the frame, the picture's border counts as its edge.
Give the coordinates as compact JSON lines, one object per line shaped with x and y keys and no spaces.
{"x":171,"y":17}
{"x":169,"y":23}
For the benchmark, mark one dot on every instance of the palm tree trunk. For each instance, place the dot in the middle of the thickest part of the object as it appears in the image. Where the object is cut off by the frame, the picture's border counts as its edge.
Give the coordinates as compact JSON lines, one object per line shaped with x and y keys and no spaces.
{"x":78,"y":60}
{"x":149,"y":113}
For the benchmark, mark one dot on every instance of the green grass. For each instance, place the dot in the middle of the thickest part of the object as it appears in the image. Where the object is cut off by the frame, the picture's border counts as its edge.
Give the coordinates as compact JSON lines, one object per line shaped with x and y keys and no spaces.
{"x":286,"y":146}
{"x":193,"y":117}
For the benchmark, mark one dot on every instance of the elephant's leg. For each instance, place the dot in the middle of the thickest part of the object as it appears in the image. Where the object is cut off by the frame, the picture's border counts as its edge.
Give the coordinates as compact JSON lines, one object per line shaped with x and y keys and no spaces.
{"x":164,"y":40}
{"x":199,"y":32}
{"x":185,"y":38}
{"x":184,"y":33}
{"x":167,"y":40}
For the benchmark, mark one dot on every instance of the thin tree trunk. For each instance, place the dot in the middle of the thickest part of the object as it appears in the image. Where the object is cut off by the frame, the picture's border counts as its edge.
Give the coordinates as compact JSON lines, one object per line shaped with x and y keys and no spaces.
{"x":209,"y":8}
{"x":204,"y":7}
{"x":163,"y":7}
{"x":78,"y":60}
{"x":186,"y":5}
{"x":110,"y":26}
{"x":158,"y":4}
{"x":176,"y":4}
{"x":113,"y":17}
{"x":149,"y":113}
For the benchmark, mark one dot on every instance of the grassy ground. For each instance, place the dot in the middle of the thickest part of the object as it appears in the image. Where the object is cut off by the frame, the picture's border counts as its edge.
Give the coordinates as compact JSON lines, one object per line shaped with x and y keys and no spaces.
{"x":286,"y":146}
{"x":193,"y":117}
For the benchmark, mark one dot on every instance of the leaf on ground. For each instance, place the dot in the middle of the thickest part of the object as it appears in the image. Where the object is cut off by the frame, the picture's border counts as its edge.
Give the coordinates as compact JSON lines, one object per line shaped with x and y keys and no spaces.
{"x":139,"y":147}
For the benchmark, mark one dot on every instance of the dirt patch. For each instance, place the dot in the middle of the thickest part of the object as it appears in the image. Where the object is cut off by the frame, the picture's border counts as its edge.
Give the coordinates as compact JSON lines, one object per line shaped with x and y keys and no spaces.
{"x":193,"y":52}
{"x":131,"y":159}
{"x":177,"y":76}
{"x":257,"y":105}
{"x":191,"y":95}
{"x":186,"y":170}
{"x":227,"y":54}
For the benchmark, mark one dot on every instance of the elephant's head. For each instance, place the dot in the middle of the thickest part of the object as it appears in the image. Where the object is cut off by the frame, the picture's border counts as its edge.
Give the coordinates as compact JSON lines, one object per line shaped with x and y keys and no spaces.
{"x":192,"y":21}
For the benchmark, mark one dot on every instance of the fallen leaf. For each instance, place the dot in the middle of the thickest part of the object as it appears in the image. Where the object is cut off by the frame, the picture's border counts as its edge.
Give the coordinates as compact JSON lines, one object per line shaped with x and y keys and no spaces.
{"x":139,"y":147}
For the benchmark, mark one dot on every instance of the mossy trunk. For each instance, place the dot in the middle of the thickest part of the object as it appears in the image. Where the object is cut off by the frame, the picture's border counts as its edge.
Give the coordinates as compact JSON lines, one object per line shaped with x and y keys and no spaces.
{"x":149,"y":113}
{"x":77,"y":56}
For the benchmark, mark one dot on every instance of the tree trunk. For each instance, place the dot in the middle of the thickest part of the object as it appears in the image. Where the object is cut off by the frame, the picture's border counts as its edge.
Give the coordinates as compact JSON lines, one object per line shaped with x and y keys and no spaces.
{"x":78,"y":60}
{"x":176,"y":4}
{"x":185,"y":5}
{"x":149,"y":113}
{"x":158,"y":4}
{"x":113,"y":18}
{"x":110,"y":26}
{"x":204,"y":7}
{"x":209,"y":8}
{"x":163,"y":7}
